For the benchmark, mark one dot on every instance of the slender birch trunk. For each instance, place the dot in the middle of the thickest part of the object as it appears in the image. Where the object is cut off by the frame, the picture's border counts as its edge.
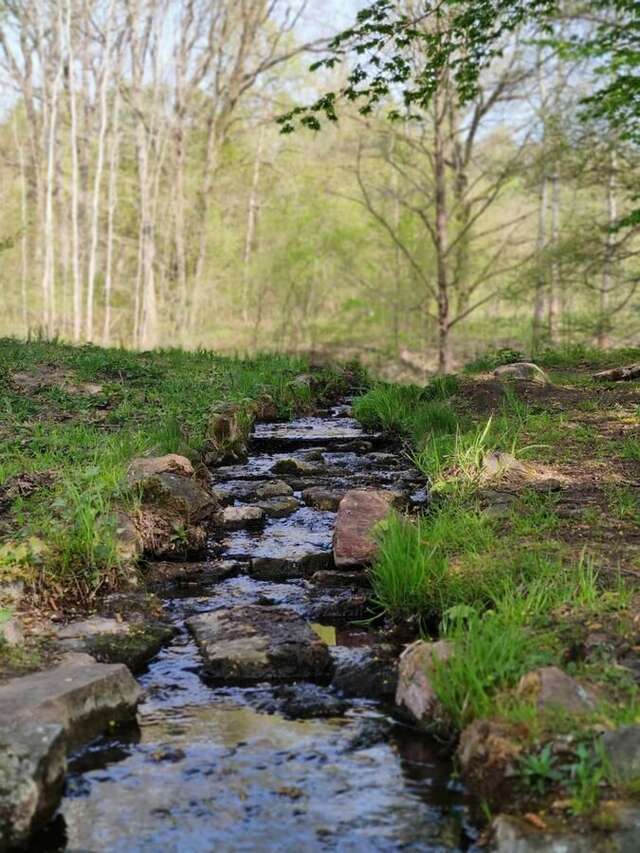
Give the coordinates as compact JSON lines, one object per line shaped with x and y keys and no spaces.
{"x":73,"y":141}
{"x":441,"y":235}
{"x":23,"y":229}
{"x":252,"y":221}
{"x":609,"y":253}
{"x":97,"y":180}
{"x":48,"y":277}
{"x":541,"y":284}
{"x":112,"y":202}
{"x":554,"y":281}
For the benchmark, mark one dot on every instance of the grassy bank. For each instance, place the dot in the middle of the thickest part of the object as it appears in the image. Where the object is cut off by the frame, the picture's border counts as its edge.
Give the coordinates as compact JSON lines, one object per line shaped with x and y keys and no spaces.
{"x":533,"y":564}
{"x":72,"y":418}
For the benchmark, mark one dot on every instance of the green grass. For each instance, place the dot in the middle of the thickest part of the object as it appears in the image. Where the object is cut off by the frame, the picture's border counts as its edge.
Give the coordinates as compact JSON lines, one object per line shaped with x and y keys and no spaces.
{"x":150,"y":403}
{"x":408,"y":411}
{"x":495,"y":647}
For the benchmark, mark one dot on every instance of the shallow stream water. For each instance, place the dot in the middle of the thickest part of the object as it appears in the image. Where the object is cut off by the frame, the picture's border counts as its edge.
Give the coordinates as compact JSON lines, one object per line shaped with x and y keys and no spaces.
{"x":217,"y":768}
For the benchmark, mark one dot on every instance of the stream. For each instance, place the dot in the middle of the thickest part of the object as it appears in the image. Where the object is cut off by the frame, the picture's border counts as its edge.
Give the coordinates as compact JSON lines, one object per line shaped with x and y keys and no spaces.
{"x":222,"y":767}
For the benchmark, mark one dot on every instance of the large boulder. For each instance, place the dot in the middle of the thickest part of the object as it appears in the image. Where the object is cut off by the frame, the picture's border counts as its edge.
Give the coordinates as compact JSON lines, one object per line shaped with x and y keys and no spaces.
{"x":488,"y":755}
{"x":622,"y":749}
{"x":174,"y":506}
{"x":227,"y":433}
{"x":80,"y":695}
{"x":515,"y":834}
{"x":549,"y":687}
{"x":522,"y":371}
{"x":129,"y":544}
{"x":169,"y":482}
{"x":415,"y":695}
{"x":144,"y":467}
{"x":250,"y":643}
{"x":32,"y":768}
{"x":354,"y":541}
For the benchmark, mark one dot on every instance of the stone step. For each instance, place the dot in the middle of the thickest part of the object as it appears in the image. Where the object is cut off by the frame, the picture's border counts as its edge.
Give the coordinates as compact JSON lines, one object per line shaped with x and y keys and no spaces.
{"x":81,"y":696}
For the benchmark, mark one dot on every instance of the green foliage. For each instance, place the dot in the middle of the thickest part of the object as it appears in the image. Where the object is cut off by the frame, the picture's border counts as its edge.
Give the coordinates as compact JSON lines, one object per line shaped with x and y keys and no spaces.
{"x":539,"y":771}
{"x":461,"y":38}
{"x":491,"y":653}
{"x":492,"y":359}
{"x":407,"y":410}
{"x":581,"y":776}
{"x":76,"y":445}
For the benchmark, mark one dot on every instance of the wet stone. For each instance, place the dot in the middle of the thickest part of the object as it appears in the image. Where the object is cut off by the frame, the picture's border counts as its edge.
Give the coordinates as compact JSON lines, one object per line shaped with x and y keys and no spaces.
{"x":237,"y":517}
{"x":296,"y":468}
{"x":329,"y":579}
{"x":302,"y":701}
{"x":354,"y":541}
{"x":253,"y":643}
{"x":80,"y":695}
{"x":32,"y":768}
{"x":365,"y":672}
{"x":321,"y":498}
{"x":166,"y":574}
{"x":279,"y":507}
{"x":273,"y":489}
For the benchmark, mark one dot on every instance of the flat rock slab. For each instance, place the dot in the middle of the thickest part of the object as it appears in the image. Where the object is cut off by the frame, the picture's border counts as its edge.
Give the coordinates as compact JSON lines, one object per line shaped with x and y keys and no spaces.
{"x":166,"y":574}
{"x":32,"y":768}
{"x":237,"y":517}
{"x":319,"y":498}
{"x":354,"y":542}
{"x":279,"y":507}
{"x":305,"y":431}
{"x":251,"y":643}
{"x":80,"y":695}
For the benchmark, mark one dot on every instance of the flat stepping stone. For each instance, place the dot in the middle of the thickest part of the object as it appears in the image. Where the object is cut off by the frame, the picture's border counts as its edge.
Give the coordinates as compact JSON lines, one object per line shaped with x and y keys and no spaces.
{"x":321,"y":498}
{"x":80,"y":695}
{"x":237,"y":517}
{"x":289,"y":547}
{"x":163,"y":574}
{"x":305,"y":431}
{"x":274,"y":489}
{"x":251,"y":643}
{"x":279,"y":507}
{"x":112,"y":640}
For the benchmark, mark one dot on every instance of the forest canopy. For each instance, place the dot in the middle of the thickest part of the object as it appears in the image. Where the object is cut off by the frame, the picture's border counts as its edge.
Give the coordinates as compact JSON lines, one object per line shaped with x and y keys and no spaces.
{"x":150,"y":198}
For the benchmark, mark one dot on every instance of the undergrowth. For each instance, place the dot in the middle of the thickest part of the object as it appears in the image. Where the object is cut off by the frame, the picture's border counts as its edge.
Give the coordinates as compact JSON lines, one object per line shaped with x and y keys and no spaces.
{"x":65,"y":446}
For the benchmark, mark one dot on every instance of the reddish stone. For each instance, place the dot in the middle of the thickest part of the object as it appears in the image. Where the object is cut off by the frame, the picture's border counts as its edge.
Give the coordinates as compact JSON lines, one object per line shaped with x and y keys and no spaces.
{"x":354,"y":541}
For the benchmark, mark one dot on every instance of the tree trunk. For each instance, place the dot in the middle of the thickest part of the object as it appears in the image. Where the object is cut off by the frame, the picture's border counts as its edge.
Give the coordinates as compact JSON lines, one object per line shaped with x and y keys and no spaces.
{"x":441,"y":235}
{"x":112,"y":201}
{"x":541,"y":284}
{"x":609,"y":252}
{"x":554,"y":283}
{"x":252,"y":221}
{"x":75,"y":178}
{"x":97,"y":180}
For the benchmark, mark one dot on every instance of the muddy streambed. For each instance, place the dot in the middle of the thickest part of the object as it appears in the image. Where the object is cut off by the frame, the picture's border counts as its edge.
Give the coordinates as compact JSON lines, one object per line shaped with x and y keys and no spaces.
{"x":269,"y":767}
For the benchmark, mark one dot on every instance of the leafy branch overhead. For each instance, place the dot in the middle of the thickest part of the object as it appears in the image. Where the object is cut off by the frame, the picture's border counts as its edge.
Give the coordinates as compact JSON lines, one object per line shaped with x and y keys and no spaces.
{"x":462,"y":38}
